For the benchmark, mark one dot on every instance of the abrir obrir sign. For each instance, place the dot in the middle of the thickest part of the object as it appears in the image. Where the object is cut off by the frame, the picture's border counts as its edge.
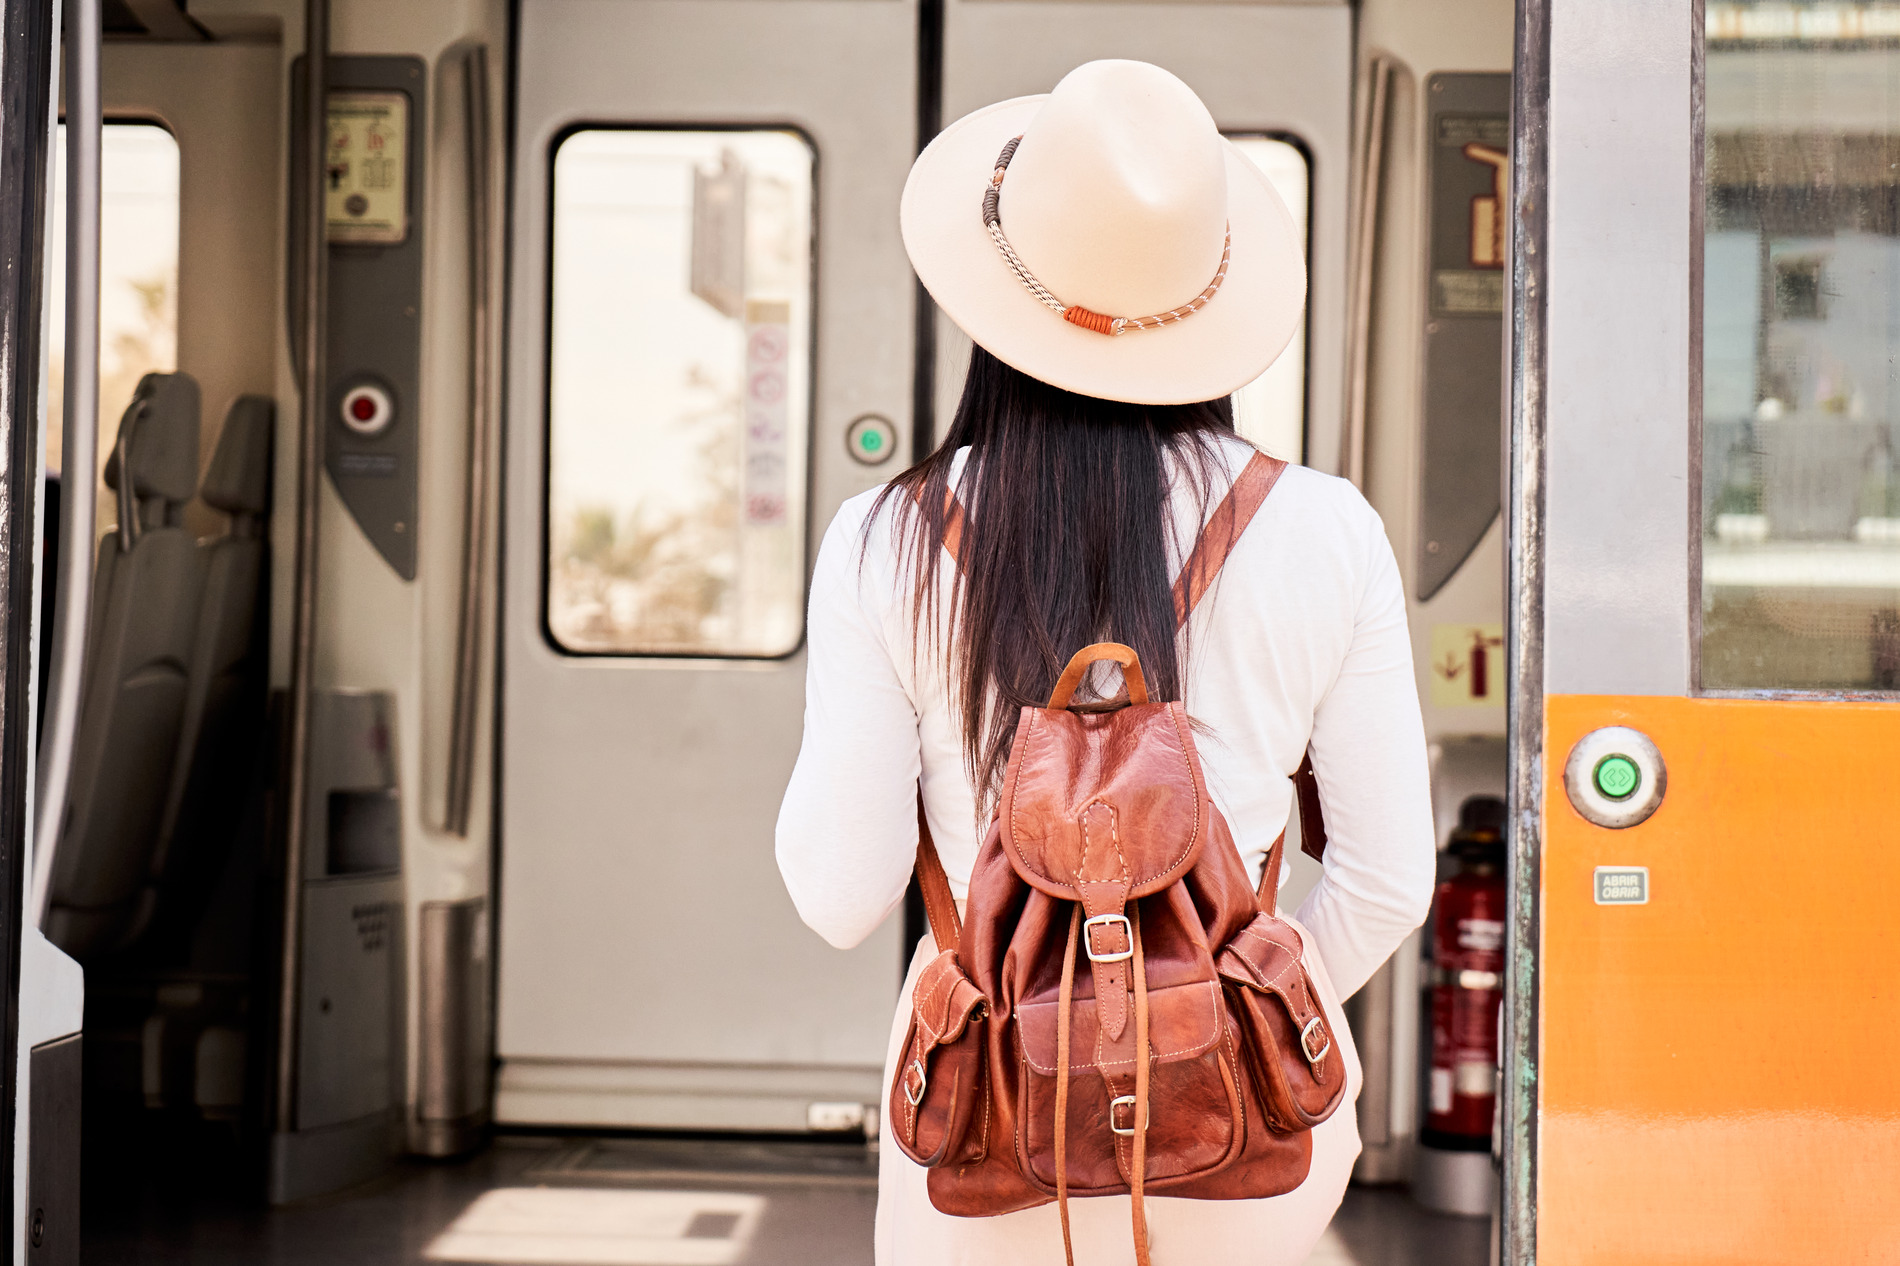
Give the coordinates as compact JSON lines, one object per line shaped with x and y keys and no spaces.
{"x":1622,"y":885}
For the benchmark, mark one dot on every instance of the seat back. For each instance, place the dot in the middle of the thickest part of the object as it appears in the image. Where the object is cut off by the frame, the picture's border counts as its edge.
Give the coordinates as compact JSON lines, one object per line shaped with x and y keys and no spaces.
{"x":220,"y":735}
{"x":145,"y":612}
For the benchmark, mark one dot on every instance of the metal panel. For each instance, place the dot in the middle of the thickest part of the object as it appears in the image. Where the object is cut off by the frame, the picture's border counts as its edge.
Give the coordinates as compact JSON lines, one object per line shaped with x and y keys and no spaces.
{"x":350,"y":1035}
{"x":1461,"y":440}
{"x":374,"y":334}
{"x":1622,"y":157}
{"x":28,"y":44}
{"x":643,"y":924}
{"x":1526,"y":356}
{"x":452,"y":1046}
{"x":52,"y":1182}
{"x":1260,"y":68}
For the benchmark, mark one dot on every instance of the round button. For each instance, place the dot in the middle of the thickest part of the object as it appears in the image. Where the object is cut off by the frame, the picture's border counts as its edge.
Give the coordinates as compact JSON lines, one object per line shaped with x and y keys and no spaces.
{"x":367,"y":409}
{"x":871,"y":439}
{"x":1617,"y":777}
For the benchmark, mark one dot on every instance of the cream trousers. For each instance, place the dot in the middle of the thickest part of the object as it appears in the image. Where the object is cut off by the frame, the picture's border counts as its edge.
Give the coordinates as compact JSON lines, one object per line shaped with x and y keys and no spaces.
{"x":1277,"y":1231}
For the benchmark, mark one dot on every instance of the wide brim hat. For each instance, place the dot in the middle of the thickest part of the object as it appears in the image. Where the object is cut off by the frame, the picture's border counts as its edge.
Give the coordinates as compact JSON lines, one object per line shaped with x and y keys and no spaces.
{"x":1121,"y":201}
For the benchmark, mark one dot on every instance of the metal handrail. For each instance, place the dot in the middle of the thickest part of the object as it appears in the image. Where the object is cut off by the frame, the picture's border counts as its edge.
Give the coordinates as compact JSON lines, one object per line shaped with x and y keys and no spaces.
{"x":1368,"y":167}
{"x":79,"y":459}
{"x":468,"y":632}
{"x":313,"y":266}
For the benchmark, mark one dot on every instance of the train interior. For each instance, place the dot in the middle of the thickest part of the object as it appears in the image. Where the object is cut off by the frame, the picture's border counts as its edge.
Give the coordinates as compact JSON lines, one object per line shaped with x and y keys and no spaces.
{"x":615,"y":314}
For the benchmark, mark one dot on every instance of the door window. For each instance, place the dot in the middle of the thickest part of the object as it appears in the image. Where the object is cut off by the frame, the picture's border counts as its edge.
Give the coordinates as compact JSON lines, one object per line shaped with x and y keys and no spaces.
{"x":1271,"y":410}
{"x":679,"y":392}
{"x":1800,"y":529}
{"x":138,"y":278}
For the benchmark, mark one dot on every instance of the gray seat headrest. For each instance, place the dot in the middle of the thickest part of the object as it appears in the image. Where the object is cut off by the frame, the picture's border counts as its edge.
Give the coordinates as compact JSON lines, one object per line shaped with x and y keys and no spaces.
{"x":238,"y":479}
{"x":162,"y":422}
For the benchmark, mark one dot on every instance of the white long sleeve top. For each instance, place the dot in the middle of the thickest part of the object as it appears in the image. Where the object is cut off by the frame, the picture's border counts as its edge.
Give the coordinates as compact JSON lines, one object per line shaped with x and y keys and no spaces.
{"x":1301,"y":640}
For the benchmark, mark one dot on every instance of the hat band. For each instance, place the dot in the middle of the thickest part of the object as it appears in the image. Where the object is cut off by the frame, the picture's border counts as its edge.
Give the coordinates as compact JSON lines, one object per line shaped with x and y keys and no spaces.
{"x":1075,"y":314}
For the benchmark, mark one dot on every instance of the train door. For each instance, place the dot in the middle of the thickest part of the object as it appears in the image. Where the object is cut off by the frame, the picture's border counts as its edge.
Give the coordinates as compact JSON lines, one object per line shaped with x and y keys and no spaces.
{"x":1707,"y":589}
{"x":711,"y":350}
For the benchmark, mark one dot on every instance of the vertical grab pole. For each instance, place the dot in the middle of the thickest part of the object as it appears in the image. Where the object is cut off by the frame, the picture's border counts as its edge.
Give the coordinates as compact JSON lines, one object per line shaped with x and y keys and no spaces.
{"x":1369,"y":168}
{"x":312,"y":265}
{"x":79,"y":460}
{"x":468,"y":632}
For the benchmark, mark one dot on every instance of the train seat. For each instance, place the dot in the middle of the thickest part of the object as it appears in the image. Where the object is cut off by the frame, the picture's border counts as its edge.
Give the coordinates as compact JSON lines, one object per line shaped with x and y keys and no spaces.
{"x":146,"y":599}
{"x":219,"y":735}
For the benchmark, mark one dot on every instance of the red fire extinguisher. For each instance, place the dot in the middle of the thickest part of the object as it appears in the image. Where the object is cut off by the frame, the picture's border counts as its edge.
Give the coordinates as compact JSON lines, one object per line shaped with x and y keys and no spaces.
{"x":1468,"y":982}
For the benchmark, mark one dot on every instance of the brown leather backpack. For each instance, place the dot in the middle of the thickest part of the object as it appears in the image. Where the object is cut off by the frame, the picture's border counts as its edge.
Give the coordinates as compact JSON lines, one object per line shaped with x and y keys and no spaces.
{"x":1190,"y":1057}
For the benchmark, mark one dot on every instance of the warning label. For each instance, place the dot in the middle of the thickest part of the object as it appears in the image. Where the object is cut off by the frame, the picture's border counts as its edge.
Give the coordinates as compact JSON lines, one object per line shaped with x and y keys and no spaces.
{"x":1622,"y":885}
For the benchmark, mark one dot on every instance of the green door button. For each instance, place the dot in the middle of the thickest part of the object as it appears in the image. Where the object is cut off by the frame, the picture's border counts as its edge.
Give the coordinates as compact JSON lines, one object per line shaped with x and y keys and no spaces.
{"x":1614,"y":777}
{"x":1618,"y":777}
{"x":871,"y":439}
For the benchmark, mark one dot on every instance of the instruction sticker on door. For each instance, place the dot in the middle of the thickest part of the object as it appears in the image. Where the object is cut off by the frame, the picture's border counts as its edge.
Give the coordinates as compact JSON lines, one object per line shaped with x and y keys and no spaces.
{"x":1622,"y":885}
{"x":1467,"y":665}
{"x":768,"y":340}
{"x":365,"y":173}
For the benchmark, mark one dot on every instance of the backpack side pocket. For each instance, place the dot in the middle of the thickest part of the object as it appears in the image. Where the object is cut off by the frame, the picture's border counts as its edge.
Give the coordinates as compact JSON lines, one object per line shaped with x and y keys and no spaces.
{"x":939,"y":1079}
{"x":1286,"y":1038}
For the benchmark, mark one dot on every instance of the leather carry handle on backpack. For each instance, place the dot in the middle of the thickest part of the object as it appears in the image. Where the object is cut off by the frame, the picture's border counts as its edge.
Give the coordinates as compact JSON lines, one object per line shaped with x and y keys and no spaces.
{"x":1025,"y":1079}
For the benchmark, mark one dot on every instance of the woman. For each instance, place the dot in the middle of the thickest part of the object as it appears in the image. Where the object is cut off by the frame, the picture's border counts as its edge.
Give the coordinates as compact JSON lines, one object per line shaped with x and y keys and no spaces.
{"x":1086,"y":453}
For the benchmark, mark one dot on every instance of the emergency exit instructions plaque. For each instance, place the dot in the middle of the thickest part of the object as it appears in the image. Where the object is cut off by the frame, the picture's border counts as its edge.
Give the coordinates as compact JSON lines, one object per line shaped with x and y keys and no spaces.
{"x":365,"y":194}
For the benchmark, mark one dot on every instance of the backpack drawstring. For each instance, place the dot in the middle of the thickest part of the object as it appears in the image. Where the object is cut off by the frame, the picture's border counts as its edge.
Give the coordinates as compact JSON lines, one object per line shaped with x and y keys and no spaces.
{"x":1062,"y":1081}
{"x":1139,"y":1165}
{"x":1137,"y":1170}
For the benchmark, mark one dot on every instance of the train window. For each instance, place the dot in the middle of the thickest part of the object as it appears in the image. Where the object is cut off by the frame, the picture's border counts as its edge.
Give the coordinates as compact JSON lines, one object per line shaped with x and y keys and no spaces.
{"x":679,"y":392}
{"x":138,"y":277}
{"x":1800,"y":535}
{"x":1271,"y":410}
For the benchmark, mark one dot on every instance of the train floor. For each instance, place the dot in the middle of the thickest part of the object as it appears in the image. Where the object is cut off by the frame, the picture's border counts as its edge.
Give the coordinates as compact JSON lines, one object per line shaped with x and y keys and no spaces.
{"x":532,"y":1201}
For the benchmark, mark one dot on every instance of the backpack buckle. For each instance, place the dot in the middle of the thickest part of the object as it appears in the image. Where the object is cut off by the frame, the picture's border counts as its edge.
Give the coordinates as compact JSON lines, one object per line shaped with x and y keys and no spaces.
{"x":1117,"y":1102}
{"x":1108,"y":920}
{"x":923,"y":1079}
{"x":1313,"y":1057}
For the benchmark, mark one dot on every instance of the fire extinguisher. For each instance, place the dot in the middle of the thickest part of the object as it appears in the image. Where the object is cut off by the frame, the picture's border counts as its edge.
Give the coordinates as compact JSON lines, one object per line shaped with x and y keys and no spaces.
{"x":1468,"y":982}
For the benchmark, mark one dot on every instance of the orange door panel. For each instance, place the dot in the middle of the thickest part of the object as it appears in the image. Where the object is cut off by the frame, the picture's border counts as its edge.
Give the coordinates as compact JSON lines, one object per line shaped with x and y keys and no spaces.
{"x":1720,"y":1067}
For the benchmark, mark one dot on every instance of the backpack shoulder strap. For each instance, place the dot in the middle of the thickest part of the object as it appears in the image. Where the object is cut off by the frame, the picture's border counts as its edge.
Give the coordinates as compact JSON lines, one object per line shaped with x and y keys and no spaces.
{"x":1312,"y":832}
{"x":1222,"y":532}
{"x":1216,"y":541}
{"x":1211,"y":548}
{"x":940,"y":905}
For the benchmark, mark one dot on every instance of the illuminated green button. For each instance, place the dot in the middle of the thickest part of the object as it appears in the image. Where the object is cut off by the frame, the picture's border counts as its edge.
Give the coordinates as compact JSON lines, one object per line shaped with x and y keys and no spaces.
{"x":871,"y":439}
{"x":1617,"y":777}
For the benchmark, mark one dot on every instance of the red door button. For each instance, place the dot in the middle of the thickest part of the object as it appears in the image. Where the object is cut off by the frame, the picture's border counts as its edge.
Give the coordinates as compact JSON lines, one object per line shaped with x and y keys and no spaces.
{"x":368,"y":410}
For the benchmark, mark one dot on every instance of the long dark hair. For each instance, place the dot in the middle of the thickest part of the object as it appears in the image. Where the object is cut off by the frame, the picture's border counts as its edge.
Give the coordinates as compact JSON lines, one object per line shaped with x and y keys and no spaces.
{"x":1064,"y":540}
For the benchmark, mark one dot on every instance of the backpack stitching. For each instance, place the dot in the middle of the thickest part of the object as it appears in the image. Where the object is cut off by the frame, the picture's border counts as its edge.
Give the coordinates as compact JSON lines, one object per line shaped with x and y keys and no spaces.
{"x":1021,"y":758}
{"x":929,"y":998}
{"x":1194,"y":834}
{"x":1104,"y":1066}
{"x":1233,"y":1062}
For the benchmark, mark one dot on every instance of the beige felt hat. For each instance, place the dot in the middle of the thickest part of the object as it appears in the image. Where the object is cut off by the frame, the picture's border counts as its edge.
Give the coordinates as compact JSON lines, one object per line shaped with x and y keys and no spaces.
{"x":1152,"y":262}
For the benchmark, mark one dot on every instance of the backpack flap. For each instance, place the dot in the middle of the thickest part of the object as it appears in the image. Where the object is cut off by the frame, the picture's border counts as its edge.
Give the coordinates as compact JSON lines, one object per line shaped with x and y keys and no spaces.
{"x":1138,"y":762}
{"x":935,"y":1093}
{"x":1296,"y":1064}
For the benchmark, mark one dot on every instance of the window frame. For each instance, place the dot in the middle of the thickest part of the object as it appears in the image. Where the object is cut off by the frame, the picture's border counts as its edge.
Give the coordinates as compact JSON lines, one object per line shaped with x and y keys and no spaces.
{"x":1695,"y":526}
{"x":807,"y":536}
{"x":1298,"y":143}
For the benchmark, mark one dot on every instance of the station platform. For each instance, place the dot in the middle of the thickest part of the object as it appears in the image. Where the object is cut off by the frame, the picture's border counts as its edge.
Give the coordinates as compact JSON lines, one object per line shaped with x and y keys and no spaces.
{"x":538,"y":1201}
